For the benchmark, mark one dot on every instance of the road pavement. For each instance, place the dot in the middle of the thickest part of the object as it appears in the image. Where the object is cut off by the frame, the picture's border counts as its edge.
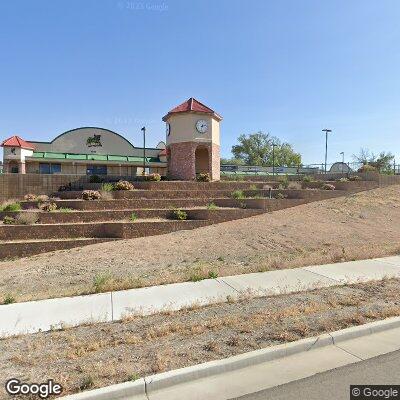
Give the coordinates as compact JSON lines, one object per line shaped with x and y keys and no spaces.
{"x":335,"y":384}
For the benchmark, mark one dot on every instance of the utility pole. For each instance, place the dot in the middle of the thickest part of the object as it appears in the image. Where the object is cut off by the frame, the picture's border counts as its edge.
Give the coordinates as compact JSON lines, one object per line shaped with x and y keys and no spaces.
{"x":326,"y":144}
{"x":144,"y":150}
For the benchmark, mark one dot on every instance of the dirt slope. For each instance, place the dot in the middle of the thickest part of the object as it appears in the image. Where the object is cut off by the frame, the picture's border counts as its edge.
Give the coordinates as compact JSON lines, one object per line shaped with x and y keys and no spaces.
{"x":358,"y":226}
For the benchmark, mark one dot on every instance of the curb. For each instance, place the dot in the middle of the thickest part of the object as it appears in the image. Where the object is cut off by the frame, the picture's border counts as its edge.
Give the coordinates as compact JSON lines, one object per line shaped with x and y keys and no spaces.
{"x":144,"y":387}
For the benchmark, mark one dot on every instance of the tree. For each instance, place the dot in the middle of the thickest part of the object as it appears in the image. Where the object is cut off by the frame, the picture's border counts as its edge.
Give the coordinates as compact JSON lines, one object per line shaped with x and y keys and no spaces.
{"x":381,"y":162}
{"x":257,"y":149}
{"x":232,"y":161}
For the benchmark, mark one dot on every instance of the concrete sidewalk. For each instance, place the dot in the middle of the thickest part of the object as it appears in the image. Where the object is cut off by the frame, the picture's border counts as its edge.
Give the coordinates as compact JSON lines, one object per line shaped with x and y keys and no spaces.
{"x":43,"y":315}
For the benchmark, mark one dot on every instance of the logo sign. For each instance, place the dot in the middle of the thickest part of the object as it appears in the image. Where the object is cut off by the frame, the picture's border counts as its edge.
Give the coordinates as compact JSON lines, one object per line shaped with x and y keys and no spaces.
{"x":94,"y":141}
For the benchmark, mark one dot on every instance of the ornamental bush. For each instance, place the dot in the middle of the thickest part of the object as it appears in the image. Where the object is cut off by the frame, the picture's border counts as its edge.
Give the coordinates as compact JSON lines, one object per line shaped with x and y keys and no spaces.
{"x":42,"y":198}
{"x":354,"y":178}
{"x":8,"y":220}
{"x":123,"y":185}
{"x":48,"y":207}
{"x":203,"y":177}
{"x":30,"y":197}
{"x":91,"y":195}
{"x":10,"y":206}
{"x":179,"y":214}
{"x":327,"y":186}
{"x":26,"y":218}
{"x":153,"y":177}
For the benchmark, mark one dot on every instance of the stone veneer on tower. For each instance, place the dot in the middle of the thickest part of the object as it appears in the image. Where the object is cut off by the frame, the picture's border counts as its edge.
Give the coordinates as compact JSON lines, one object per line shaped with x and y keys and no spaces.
{"x":192,"y":140}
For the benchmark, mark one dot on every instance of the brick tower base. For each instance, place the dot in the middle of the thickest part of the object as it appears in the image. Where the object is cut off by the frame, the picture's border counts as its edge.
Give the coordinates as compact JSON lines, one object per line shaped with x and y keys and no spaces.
{"x":182,"y":160}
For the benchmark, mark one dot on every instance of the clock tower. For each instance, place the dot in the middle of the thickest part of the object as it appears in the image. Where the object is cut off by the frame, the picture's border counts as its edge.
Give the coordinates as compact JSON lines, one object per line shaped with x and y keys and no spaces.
{"x":193,"y":146}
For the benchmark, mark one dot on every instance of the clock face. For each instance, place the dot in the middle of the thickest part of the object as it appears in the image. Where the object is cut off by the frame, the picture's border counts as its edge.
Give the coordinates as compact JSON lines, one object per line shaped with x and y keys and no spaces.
{"x":167,"y":128}
{"x":202,"y":126}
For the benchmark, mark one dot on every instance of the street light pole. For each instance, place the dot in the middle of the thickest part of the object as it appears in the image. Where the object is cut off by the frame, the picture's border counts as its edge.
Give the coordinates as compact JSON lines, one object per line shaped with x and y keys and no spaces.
{"x":342,"y":153}
{"x":273,"y":159}
{"x":326,"y":144}
{"x":144,"y":150}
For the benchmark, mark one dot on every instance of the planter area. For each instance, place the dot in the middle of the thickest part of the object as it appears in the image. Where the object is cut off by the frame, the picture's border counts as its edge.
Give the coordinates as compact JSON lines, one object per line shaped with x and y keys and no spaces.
{"x":150,"y":210}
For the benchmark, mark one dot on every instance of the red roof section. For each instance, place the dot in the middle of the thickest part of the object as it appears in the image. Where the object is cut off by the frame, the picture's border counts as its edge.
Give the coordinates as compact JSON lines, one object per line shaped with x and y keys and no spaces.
{"x":192,"y":105}
{"x":16,"y":141}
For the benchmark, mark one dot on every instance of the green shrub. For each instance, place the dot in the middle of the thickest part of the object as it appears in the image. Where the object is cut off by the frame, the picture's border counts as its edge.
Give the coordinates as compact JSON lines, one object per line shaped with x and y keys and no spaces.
{"x":354,"y":178}
{"x":284,"y":181}
{"x":179,"y":214}
{"x":42,"y":198}
{"x":91,"y":195}
{"x":281,"y":196}
{"x":107,"y":187}
{"x":253,"y":187}
{"x":8,"y":299}
{"x":27,"y":218}
{"x":48,"y":207}
{"x":342,"y":180}
{"x":308,"y":179}
{"x":123,"y":185}
{"x":238,"y":195}
{"x":212,"y":274}
{"x":212,"y":206}
{"x":327,"y":186}
{"x":153,"y":177}
{"x":64,"y":209}
{"x":8,"y":220}
{"x":203,"y":177}
{"x":86,"y":383}
{"x":99,"y":281}
{"x":30,"y":197}
{"x":133,"y":217}
{"x":12,"y":207}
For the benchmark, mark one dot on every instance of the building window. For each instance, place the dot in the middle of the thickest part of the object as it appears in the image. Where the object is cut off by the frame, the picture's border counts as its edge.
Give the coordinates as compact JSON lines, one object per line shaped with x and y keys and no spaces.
{"x":96,"y":170}
{"x":46,"y":168}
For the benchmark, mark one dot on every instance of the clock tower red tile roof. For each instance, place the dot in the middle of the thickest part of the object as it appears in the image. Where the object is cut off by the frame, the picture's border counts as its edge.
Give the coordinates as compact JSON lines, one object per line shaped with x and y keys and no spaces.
{"x":16,"y":141}
{"x":192,"y":105}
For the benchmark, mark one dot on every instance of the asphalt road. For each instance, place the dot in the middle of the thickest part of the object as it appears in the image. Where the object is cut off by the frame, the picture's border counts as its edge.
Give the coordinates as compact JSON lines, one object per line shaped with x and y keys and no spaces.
{"x":335,"y":384}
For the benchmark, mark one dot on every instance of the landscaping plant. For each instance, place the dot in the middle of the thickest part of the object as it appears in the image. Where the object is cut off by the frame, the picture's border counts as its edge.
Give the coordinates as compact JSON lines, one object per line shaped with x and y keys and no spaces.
{"x":30,"y":197}
{"x":107,"y":187}
{"x":10,"y":206}
{"x":123,"y":185}
{"x":212,"y":206}
{"x":48,"y":206}
{"x":153,"y":177}
{"x":203,"y":177}
{"x":42,"y":198}
{"x":327,"y":186}
{"x":8,"y":220}
{"x":133,"y":217}
{"x":91,"y":195}
{"x":238,"y":195}
{"x":26,"y":218}
{"x":179,"y":214}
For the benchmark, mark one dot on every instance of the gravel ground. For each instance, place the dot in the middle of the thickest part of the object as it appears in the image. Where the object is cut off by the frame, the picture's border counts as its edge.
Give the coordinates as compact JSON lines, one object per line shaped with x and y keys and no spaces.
{"x":102,"y":354}
{"x":358,"y":226}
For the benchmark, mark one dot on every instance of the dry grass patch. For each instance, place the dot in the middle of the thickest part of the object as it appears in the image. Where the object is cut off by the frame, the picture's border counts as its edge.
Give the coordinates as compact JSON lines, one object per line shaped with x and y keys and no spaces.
{"x":91,"y":356}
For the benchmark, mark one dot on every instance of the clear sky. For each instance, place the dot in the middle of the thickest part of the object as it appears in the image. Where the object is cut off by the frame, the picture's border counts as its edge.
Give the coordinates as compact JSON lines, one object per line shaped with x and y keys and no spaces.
{"x":288,"y":67}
